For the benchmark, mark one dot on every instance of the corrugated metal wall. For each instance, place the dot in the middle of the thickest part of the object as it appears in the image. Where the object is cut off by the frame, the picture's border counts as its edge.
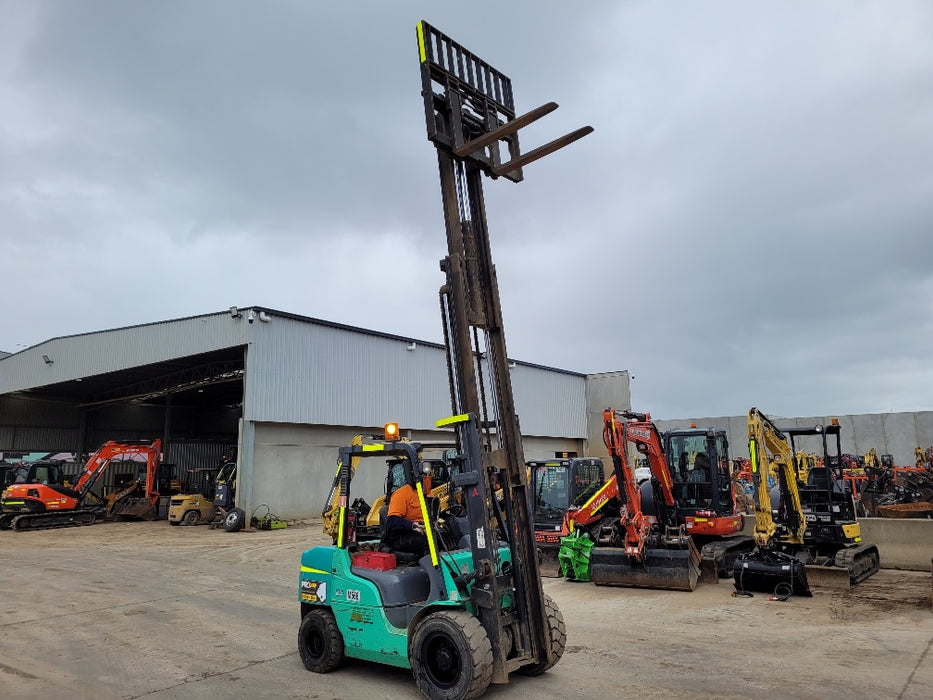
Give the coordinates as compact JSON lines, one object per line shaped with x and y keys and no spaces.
{"x":299,"y":372}
{"x":38,"y":425}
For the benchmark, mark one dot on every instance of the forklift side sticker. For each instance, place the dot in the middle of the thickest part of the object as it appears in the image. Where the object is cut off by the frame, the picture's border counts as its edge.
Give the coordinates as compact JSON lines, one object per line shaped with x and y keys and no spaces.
{"x":313,"y":591}
{"x":353,"y":596}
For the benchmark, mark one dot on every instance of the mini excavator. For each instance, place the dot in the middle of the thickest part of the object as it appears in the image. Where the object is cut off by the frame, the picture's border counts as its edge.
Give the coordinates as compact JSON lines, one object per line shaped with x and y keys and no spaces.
{"x":633,"y":548}
{"x":803,"y":532}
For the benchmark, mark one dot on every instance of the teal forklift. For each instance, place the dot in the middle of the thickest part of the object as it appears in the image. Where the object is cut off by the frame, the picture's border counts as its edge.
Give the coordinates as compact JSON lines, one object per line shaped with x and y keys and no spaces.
{"x":453,"y":616}
{"x":472,"y":610}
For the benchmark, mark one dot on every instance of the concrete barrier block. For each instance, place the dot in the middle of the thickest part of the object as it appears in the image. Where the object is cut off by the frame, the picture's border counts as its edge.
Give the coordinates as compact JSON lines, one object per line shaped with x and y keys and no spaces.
{"x":904,"y":543}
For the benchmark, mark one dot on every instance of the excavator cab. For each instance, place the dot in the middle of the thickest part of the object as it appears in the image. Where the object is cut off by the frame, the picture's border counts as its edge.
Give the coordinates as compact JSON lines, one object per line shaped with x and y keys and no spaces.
{"x":559,"y":485}
{"x":702,"y":472}
{"x":833,"y":536}
{"x":698,"y":460}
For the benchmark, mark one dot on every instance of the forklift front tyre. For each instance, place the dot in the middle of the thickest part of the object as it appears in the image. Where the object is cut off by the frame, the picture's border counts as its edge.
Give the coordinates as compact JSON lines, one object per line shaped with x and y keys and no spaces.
{"x":558,"y":636}
{"x":235,"y":520}
{"x":320,"y":643}
{"x":451,"y":656}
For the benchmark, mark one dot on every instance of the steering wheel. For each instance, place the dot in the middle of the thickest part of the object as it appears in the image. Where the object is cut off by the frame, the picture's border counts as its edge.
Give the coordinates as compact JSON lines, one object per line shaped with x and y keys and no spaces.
{"x":453,"y":510}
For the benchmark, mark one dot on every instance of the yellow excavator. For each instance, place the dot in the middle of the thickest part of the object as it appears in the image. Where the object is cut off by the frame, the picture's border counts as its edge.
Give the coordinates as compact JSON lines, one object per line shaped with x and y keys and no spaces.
{"x":805,"y":461}
{"x":802,"y":532}
{"x":366,"y":517}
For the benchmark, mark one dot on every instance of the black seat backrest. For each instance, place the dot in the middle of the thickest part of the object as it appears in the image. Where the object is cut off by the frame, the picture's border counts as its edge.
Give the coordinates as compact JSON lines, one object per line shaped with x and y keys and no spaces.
{"x":819,"y":477}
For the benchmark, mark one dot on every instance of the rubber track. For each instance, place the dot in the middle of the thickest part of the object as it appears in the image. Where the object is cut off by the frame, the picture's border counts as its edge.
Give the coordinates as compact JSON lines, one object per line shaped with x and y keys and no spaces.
{"x":862,"y":561}
{"x":47,"y":521}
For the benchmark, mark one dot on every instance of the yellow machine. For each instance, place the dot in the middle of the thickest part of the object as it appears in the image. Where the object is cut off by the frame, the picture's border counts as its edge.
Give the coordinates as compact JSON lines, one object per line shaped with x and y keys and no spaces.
{"x":197,"y":505}
{"x":765,"y":435}
{"x":367,"y":517}
{"x":812,"y":523}
{"x":804,"y":463}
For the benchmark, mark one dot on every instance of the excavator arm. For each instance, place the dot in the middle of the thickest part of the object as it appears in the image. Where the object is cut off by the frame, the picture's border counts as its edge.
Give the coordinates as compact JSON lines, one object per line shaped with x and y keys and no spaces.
{"x":634,"y":522}
{"x":109,"y":451}
{"x":643,"y":433}
{"x":331,"y":512}
{"x":766,"y":439}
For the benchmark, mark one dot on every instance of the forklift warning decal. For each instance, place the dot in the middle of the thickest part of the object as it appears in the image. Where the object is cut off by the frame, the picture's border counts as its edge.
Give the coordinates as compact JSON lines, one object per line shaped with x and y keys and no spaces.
{"x":313,"y":591}
{"x":364,"y":615}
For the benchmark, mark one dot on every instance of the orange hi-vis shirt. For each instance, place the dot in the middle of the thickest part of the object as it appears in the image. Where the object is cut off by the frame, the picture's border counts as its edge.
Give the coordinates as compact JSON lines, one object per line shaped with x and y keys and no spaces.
{"x":404,"y":503}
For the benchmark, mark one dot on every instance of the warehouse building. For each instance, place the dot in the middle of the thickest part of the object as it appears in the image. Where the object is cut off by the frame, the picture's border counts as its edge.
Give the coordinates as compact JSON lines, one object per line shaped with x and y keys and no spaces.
{"x":279,"y":391}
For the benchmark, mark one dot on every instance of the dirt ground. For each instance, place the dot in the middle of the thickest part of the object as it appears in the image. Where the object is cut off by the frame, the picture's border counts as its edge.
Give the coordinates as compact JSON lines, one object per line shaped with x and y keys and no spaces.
{"x":145,"y":610}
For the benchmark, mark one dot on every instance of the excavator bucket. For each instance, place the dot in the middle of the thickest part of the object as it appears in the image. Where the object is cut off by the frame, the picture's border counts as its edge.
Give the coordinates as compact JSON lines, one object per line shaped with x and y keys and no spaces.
{"x":671,"y":569}
{"x":781,"y":575}
{"x":133,"y":509}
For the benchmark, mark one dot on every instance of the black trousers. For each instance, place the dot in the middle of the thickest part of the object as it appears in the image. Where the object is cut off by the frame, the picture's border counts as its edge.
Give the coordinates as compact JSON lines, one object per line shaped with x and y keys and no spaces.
{"x":411,"y":542}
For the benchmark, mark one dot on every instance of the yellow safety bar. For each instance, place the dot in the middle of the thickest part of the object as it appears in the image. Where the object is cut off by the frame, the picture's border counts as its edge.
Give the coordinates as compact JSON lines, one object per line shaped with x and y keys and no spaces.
{"x":427,"y":523}
{"x":421,"y":50}
{"x":443,"y":422}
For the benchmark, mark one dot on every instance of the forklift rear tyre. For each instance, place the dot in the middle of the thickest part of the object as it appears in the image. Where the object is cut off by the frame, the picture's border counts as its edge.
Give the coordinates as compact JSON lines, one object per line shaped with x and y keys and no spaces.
{"x":191,"y":517}
{"x":234,"y":520}
{"x":319,"y":642}
{"x":558,"y":635}
{"x":451,"y":656}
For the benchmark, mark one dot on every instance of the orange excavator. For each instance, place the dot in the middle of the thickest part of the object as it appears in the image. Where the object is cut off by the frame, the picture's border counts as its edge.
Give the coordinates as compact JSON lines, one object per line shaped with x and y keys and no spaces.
{"x":636,"y":549}
{"x":41,"y":505}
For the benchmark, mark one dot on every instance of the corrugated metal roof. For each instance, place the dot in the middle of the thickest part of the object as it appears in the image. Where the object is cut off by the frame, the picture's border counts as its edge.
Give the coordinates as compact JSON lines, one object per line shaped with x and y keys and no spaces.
{"x":299,"y":369}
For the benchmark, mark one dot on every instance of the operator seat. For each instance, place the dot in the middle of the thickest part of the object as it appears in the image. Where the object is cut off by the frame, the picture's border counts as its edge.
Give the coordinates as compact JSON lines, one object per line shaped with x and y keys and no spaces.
{"x":819,"y":477}
{"x":384,"y":546}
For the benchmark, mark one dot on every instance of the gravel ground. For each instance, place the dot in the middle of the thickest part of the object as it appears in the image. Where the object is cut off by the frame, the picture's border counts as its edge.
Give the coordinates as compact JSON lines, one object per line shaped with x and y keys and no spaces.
{"x":133,"y":610}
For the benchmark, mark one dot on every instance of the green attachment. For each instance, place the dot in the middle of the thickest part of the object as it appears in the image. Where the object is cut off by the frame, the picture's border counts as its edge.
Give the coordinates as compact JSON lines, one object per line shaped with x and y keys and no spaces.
{"x":573,"y":558}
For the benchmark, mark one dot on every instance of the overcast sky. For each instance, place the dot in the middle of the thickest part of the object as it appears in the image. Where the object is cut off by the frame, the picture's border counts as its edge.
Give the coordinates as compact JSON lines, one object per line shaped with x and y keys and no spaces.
{"x":751,"y":223}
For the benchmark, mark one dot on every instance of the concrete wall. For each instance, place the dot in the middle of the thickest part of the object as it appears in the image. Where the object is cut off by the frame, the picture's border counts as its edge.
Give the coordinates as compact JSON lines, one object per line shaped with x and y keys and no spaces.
{"x":294,"y":465}
{"x":605,"y":390}
{"x":889,"y":433}
{"x":904,"y":543}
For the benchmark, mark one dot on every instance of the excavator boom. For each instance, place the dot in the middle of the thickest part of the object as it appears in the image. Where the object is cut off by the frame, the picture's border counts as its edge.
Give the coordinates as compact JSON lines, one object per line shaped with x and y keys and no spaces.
{"x":772,"y":566}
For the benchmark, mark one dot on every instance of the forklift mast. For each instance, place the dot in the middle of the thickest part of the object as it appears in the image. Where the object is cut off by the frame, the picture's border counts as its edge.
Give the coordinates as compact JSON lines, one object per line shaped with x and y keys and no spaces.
{"x":470,"y":118}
